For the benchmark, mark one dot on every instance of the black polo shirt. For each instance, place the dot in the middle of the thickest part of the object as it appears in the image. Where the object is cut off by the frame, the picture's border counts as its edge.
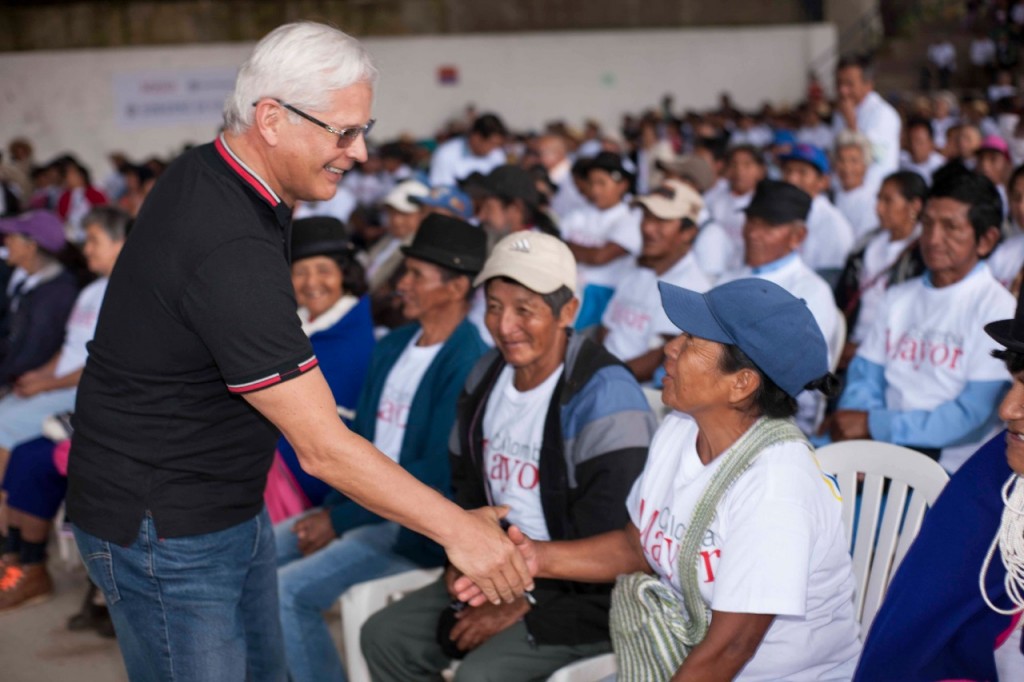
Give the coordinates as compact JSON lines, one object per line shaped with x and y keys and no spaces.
{"x":199,"y":310}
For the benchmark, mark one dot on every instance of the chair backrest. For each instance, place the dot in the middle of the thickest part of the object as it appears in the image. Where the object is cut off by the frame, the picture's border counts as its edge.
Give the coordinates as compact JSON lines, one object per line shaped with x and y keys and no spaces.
{"x":888,"y":521}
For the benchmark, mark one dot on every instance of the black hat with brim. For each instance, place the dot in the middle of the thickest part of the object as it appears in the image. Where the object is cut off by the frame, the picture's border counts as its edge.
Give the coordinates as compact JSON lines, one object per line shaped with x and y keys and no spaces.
{"x":450,"y":243}
{"x":778,"y":203}
{"x":1009,"y":333}
{"x":511,"y":182}
{"x":319,"y":236}
{"x":610,"y":163}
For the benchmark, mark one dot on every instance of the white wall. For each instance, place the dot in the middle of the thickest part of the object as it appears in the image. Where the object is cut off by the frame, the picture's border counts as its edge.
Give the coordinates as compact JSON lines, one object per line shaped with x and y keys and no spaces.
{"x":64,"y":101}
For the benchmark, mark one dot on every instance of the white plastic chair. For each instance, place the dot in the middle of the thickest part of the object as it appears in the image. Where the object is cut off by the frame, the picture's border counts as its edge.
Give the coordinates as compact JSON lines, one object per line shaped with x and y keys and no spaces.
{"x":363,"y":600}
{"x":879,"y":548}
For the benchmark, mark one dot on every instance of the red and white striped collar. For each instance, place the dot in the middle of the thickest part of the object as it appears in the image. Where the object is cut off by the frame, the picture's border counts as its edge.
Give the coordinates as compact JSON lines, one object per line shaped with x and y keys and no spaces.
{"x":247,"y":174}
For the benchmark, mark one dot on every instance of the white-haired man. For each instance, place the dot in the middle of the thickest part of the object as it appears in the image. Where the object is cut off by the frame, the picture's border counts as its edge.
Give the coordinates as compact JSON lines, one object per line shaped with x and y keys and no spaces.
{"x":199,"y":359}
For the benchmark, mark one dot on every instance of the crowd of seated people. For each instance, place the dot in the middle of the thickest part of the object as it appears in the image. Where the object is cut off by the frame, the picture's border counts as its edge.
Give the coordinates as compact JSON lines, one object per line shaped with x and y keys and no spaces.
{"x":903,"y":225}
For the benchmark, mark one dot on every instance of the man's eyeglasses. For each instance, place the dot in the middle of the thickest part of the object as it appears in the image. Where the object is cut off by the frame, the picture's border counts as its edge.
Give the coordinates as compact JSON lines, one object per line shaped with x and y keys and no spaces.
{"x":346,"y":136}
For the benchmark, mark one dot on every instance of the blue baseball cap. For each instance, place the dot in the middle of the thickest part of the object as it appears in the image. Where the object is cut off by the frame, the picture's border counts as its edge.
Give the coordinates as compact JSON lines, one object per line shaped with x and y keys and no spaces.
{"x":774,"y":328}
{"x":783,"y":137}
{"x":808,"y":153}
{"x":449,"y":198}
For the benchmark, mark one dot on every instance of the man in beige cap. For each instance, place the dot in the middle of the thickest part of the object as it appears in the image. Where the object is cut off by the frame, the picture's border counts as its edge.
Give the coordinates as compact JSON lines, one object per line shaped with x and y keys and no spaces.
{"x":634,"y":326}
{"x":715,"y":251}
{"x":552,"y":425}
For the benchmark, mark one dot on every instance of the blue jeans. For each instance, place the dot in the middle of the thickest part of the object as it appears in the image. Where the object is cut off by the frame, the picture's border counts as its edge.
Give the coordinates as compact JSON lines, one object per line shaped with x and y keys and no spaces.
{"x":200,"y":608}
{"x":309,"y":585}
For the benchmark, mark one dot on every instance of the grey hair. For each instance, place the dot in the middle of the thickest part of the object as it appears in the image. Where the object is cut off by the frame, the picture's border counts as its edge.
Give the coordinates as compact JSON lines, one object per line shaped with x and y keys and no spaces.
{"x":300,"y":63}
{"x":111,"y":220}
{"x":852,"y":138}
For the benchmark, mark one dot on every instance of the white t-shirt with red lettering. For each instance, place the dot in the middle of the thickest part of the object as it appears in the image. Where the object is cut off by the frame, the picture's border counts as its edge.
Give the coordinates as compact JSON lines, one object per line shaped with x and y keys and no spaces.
{"x":932,"y":341}
{"x":396,"y":397}
{"x":634,"y":317}
{"x":776,"y":546}
{"x":513,"y":435}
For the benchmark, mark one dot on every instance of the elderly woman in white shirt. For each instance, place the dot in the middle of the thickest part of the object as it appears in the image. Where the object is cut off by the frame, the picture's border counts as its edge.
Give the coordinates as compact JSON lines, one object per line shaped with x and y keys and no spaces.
{"x":735,"y":533}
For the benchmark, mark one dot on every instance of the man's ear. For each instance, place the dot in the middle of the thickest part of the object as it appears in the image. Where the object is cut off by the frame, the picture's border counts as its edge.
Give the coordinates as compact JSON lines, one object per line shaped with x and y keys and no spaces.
{"x":268,"y":119}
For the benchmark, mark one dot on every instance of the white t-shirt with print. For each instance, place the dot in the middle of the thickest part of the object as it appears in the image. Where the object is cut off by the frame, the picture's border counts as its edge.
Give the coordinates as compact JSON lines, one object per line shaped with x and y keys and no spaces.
{"x":593,"y":227}
{"x":396,"y":397}
{"x":879,"y":255}
{"x":80,"y":328}
{"x":513,"y":435}
{"x":634,"y":317}
{"x":931,"y":342}
{"x":775,"y":546}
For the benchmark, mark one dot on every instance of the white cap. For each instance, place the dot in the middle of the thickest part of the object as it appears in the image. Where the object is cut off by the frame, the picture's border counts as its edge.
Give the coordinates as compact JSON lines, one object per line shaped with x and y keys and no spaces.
{"x":399,"y":197}
{"x":540,"y":262}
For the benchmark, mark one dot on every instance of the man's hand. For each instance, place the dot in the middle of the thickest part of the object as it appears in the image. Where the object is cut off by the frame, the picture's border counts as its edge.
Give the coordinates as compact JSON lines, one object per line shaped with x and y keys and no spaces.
{"x":314,"y":531}
{"x":847,"y":108}
{"x":483,"y":552}
{"x":478,"y":624}
{"x":463,"y":589}
{"x":850,"y":424}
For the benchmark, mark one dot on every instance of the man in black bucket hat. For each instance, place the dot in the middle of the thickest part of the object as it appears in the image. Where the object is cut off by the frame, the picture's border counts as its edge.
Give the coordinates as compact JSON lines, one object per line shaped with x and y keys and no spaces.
{"x":406,"y":409}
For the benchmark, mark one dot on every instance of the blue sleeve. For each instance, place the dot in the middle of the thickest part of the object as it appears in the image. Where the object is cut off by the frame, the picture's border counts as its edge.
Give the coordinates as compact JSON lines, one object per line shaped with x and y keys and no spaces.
{"x":865,"y":386}
{"x":950,"y":423}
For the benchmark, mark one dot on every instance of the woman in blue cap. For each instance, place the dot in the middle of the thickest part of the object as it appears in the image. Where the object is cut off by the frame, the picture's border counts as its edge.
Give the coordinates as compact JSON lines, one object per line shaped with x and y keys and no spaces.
{"x":735,"y":564}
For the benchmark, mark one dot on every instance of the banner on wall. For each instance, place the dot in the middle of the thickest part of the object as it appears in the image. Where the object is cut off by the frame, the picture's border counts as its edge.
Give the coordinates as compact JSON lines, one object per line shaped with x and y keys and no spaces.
{"x":145,"y":99}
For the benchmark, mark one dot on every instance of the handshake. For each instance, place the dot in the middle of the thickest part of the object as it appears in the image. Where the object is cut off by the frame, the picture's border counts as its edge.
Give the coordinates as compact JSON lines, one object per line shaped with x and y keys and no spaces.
{"x":493,"y":571}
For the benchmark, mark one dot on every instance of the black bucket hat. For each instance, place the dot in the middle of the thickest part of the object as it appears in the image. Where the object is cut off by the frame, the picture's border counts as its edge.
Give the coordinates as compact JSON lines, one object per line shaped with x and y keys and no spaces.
{"x":319,"y":236}
{"x":450,"y":243}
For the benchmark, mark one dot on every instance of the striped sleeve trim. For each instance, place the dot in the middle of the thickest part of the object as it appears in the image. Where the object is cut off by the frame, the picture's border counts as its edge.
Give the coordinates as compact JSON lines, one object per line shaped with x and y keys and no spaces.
{"x":276,"y":378}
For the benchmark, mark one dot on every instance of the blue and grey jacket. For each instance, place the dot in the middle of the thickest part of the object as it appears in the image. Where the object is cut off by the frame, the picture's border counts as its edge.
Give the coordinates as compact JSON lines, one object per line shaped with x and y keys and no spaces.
{"x":596,"y":436}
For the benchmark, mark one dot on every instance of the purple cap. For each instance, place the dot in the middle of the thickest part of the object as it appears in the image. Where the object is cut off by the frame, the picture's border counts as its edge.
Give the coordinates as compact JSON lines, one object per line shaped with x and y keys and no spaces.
{"x":42,"y":227}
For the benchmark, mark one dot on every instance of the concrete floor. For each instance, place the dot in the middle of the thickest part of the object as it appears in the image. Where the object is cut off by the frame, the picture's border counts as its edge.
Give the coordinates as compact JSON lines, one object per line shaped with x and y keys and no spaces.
{"x":35,"y":645}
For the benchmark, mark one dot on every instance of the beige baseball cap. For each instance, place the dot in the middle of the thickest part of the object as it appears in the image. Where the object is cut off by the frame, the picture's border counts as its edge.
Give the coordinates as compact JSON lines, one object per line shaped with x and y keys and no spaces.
{"x":400,"y":197}
{"x":540,"y":262}
{"x":671,"y":200}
